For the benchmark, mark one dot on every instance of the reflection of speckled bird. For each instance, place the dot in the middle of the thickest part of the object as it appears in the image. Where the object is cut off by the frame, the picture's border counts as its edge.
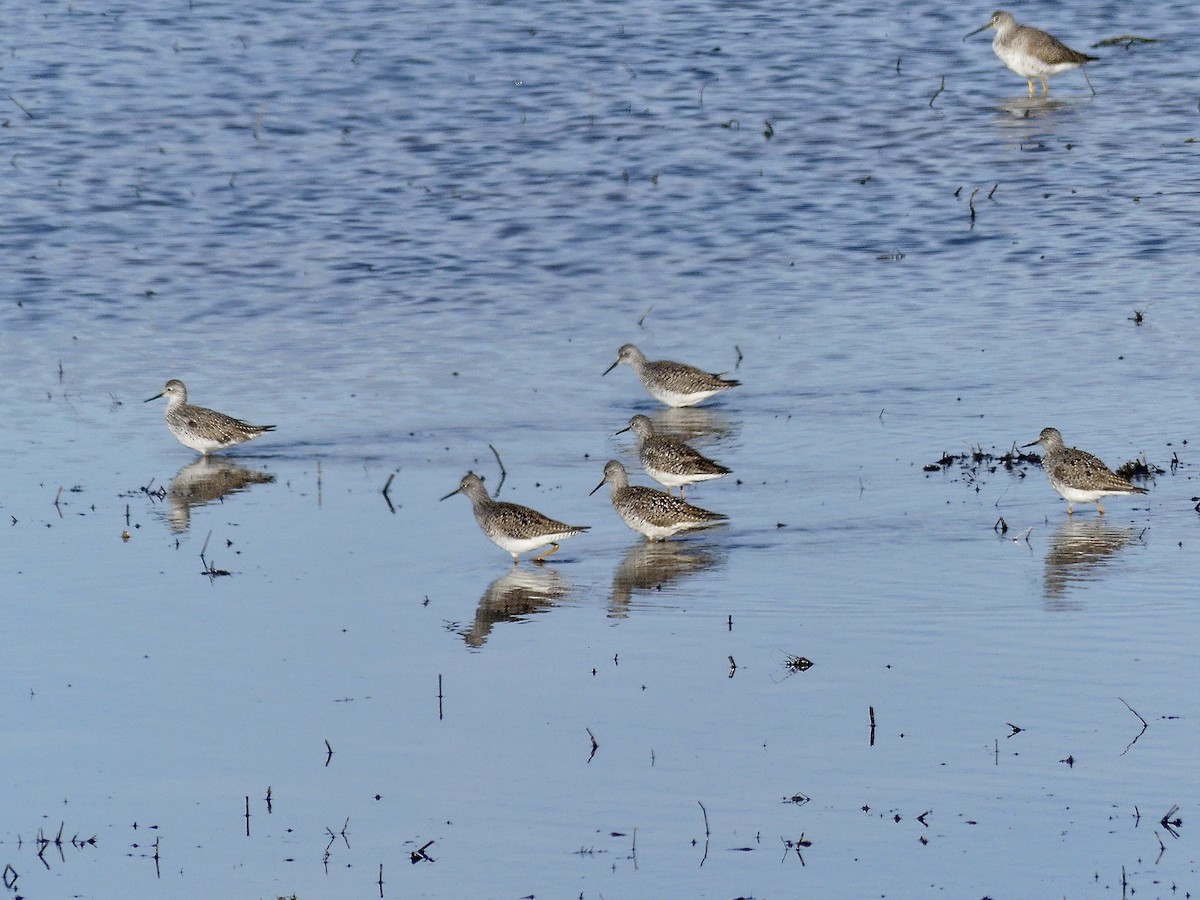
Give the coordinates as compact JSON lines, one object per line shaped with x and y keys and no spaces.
{"x":511,"y":527}
{"x":675,"y":384}
{"x":204,"y":430}
{"x":652,"y":567}
{"x":1078,"y":476}
{"x":516,"y":595}
{"x":207,"y":480}
{"x":1031,"y":53}
{"x":1080,"y":551}
{"x":670,"y":462}
{"x":653,"y":513}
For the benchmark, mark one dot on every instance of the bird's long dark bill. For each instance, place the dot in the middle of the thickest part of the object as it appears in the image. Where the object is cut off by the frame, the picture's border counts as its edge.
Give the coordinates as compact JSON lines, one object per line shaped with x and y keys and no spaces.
{"x":155,"y":397}
{"x":449,"y":495}
{"x":596,"y":488}
{"x":610,"y":368}
{"x":976,"y":31}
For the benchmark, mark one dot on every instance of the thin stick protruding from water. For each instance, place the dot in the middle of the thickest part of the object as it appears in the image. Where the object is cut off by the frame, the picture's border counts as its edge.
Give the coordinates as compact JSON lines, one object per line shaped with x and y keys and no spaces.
{"x":21,"y":106}
{"x":935,"y":93}
{"x":503,"y":471}
{"x":387,"y":487}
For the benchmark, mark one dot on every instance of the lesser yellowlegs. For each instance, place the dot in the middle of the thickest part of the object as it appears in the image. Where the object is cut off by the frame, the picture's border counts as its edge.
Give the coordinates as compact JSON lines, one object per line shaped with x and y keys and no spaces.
{"x":1078,"y":476}
{"x":650,"y":512}
{"x":204,"y":430}
{"x":675,"y":384}
{"x":511,"y":527}
{"x":1032,"y":53}
{"x":670,"y":462}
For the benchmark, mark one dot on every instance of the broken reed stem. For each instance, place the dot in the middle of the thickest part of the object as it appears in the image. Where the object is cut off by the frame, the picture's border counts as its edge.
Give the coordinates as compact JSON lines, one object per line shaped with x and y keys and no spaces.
{"x":21,"y":106}
{"x":935,"y":93}
{"x":1136,"y":713}
{"x":503,"y":471}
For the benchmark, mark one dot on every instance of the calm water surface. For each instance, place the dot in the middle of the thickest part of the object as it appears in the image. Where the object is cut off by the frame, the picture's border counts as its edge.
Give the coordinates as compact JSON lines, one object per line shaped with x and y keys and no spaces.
{"x":404,"y":235}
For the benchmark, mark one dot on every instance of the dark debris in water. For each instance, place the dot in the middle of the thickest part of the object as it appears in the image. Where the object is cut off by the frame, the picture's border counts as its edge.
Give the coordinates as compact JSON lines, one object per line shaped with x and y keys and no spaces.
{"x":797,"y":663}
{"x":1140,"y":470}
{"x":977,"y":463}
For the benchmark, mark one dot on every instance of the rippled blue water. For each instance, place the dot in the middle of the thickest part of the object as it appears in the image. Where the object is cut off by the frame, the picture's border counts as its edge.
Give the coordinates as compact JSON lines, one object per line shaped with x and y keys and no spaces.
{"x":404,"y":235}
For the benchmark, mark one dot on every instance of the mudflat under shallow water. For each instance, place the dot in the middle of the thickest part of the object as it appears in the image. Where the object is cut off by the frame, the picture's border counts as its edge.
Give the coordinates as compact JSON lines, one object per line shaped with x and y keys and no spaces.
{"x":413,"y":240}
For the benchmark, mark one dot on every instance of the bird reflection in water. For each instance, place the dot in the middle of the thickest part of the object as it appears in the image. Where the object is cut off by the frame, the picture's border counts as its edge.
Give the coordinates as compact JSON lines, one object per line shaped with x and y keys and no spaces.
{"x":514,"y":596}
{"x":1080,"y":551}
{"x":652,"y":566}
{"x":207,"y":480}
{"x":690,"y":422}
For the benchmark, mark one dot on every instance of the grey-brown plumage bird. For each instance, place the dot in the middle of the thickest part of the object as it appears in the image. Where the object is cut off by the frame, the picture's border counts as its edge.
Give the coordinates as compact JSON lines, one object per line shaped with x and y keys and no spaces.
{"x":1032,"y":53}
{"x":670,"y":462}
{"x":1078,"y":476}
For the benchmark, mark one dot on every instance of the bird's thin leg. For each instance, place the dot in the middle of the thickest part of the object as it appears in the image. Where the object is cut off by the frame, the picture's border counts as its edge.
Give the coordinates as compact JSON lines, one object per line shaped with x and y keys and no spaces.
{"x":545,"y":553}
{"x":1088,"y":80}
{"x":1099,"y":507}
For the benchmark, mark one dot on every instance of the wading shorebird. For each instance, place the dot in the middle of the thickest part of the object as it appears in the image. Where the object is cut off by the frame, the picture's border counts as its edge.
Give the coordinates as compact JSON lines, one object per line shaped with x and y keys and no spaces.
{"x":1032,"y":53}
{"x":675,"y":384}
{"x":1078,"y":476}
{"x":651,"y":512}
{"x":513,"y":528}
{"x":670,"y":462}
{"x":204,"y":430}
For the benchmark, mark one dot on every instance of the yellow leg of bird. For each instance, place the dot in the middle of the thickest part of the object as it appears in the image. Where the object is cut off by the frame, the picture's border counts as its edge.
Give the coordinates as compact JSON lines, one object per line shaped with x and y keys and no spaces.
{"x":682,"y":495}
{"x":1099,"y":507}
{"x":1070,"y":508}
{"x":1030,"y":80}
{"x":545,"y":553}
{"x":1045,"y":88}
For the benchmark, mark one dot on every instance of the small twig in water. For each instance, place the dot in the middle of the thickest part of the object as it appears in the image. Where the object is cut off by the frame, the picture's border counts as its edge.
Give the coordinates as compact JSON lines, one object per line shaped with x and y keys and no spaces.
{"x":387,"y":486}
{"x":420,"y":855}
{"x":1145,"y":725}
{"x":935,"y":93}
{"x":20,"y":105}
{"x":503,"y":473}
{"x":1171,"y":821}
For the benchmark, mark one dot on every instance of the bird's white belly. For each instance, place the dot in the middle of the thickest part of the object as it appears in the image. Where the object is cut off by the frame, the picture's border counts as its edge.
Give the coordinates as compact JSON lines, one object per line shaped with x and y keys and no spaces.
{"x":1080,"y":495}
{"x":678,"y":399}
{"x":650,"y":530}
